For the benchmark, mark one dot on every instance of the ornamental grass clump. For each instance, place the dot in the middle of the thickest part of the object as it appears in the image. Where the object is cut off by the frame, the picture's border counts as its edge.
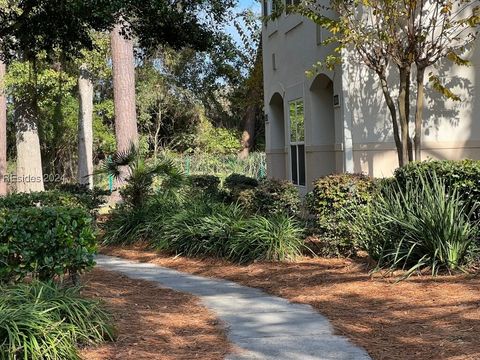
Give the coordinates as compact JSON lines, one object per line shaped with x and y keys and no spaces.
{"x":44,"y":321}
{"x":417,"y":225}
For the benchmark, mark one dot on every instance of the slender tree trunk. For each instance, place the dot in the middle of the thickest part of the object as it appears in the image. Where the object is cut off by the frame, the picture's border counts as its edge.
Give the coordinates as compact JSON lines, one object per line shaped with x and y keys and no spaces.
{"x":402,"y":106}
{"x":3,"y":131}
{"x":407,"y":112}
{"x":393,"y":114}
{"x":248,"y":135}
{"x":85,"y":128}
{"x":419,"y":112}
{"x":124,"y":90}
{"x":29,"y":158}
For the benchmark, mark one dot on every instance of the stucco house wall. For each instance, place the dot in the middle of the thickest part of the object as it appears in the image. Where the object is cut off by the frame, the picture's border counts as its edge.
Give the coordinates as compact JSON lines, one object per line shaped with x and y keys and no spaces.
{"x":354,"y":133}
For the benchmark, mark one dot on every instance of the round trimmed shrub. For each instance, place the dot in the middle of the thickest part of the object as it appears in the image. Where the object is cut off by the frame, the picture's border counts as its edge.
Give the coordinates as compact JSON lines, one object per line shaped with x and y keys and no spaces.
{"x":334,"y":202}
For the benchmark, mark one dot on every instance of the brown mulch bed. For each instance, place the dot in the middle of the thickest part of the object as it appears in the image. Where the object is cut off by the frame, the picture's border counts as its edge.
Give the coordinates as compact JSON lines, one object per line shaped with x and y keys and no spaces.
{"x":153,"y":323}
{"x":420,"y":318}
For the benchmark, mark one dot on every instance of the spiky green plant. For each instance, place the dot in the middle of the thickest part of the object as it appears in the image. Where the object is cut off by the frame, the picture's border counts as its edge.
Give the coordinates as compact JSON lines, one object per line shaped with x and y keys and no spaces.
{"x":419,"y":225}
{"x":43,"y":321}
{"x":275,"y":238}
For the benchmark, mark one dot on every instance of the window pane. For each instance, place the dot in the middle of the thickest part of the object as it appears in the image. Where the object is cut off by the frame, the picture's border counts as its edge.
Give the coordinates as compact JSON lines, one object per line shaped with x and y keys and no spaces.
{"x":300,"y":122}
{"x":301,"y":165}
{"x":293,"y":122}
{"x":293,"y":161}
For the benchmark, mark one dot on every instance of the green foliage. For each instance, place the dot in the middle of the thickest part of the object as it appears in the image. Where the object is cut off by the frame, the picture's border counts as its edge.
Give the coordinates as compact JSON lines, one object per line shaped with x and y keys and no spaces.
{"x":274,"y":197}
{"x":462,"y":176}
{"x":209,"y":228}
{"x":419,"y":224}
{"x":43,"y":321}
{"x":207,"y":184}
{"x":90,"y":199}
{"x":45,"y":242}
{"x":237,"y":182}
{"x":40,"y":199}
{"x":217,"y":140}
{"x":276,"y":238}
{"x":203,"y":228}
{"x":335,"y":201}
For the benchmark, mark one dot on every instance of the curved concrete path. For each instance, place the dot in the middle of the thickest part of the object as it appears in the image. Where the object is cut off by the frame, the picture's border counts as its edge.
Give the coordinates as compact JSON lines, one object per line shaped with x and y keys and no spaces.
{"x":264,"y":327}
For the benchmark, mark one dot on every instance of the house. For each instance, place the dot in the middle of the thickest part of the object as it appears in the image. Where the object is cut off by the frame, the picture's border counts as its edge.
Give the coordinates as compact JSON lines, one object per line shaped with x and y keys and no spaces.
{"x":337,"y":121}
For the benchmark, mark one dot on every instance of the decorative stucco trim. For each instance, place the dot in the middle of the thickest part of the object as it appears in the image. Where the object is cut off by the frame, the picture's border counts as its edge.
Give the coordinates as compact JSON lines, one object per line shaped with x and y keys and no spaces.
{"x":325,"y":148}
{"x":276,"y":152}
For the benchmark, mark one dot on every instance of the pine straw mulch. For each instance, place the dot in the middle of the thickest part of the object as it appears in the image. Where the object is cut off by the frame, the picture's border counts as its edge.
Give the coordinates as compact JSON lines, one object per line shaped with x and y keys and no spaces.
{"x":152,"y":322}
{"x":420,"y":318}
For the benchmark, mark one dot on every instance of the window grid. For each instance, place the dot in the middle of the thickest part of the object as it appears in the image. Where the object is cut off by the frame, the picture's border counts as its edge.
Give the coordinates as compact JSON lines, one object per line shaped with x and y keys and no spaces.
{"x":297,"y":142}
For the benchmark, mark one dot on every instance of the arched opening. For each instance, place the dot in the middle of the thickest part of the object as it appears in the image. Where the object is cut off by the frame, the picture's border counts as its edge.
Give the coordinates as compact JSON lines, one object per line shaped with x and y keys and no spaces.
{"x":276,"y":138}
{"x":323,"y":127}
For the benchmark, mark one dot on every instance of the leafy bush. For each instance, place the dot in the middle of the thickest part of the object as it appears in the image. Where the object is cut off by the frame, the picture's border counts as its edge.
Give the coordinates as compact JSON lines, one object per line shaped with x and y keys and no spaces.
{"x":415,"y":225}
{"x":277,"y":238}
{"x":51,"y":198}
{"x":44,"y":242}
{"x":240,"y":182}
{"x":274,"y":197}
{"x":90,"y":199}
{"x":43,"y":321}
{"x":205,"y":183}
{"x":463,"y":176}
{"x":334,"y":202}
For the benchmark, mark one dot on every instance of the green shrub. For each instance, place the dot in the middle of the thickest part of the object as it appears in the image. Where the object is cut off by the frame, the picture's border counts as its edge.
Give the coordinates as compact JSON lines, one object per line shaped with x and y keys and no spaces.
{"x":51,"y":198}
{"x":276,"y":238}
{"x":205,"y":183}
{"x":236,"y":182}
{"x":44,"y":242}
{"x":90,"y":199}
{"x":463,"y":176}
{"x":42,"y":321}
{"x":274,"y":197}
{"x":203,"y":228}
{"x":415,"y":225}
{"x":334,"y":202}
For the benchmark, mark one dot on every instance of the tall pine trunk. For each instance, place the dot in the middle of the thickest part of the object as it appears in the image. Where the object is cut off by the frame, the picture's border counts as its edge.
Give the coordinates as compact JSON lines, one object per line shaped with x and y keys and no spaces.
{"x":29,"y":157}
{"x":124,"y":90}
{"x":126,"y":131}
{"x":419,"y":112}
{"x":3,"y":131}
{"x":85,"y":128}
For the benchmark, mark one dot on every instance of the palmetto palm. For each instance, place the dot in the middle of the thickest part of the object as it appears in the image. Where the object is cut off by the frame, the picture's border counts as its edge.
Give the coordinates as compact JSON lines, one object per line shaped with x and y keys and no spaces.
{"x":139,"y":175}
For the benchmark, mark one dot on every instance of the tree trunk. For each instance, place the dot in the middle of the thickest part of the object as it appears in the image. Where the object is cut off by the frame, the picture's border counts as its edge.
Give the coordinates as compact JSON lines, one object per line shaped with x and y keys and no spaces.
{"x":85,"y":128}
{"x":402,"y":106}
{"x":393,"y":114}
{"x":419,"y":112}
{"x":29,"y":158}
{"x":126,"y":131}
{"x":124,"y":90}
{"x":248,"y":135}
{"x":3,"y":132}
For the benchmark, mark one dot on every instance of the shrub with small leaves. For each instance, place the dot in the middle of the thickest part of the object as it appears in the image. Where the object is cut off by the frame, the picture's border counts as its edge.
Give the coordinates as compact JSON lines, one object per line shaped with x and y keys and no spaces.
{"x":205,"y":183}
{"x":45,"y":242}
{"x":275,"y":197}
{"x":335,"y":201}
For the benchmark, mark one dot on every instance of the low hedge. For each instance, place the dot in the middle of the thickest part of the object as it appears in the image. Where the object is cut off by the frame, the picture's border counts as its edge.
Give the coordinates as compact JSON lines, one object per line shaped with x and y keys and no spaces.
{"x":45,"y":242}
{"x":52,"y":198}
{"x":206,"y":183}
{"x":334,"y":202}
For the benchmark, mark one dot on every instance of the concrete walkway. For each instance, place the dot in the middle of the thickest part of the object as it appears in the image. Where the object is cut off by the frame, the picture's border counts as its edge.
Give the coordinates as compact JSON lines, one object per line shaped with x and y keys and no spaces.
{"x":264,"y":327}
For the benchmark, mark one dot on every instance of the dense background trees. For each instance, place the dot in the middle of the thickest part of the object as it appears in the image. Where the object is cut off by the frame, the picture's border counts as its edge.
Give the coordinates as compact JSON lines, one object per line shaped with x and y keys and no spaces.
{"x":76,"y":94}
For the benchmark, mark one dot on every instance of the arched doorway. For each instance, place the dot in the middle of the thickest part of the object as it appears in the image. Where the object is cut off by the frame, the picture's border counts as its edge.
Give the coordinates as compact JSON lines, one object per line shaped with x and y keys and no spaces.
{"x":323,"y":158}
{"x":276,"y":138}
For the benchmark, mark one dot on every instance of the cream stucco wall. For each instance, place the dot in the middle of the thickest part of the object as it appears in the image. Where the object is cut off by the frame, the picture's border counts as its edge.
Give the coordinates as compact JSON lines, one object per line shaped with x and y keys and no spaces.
{"x":356,"y":135}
